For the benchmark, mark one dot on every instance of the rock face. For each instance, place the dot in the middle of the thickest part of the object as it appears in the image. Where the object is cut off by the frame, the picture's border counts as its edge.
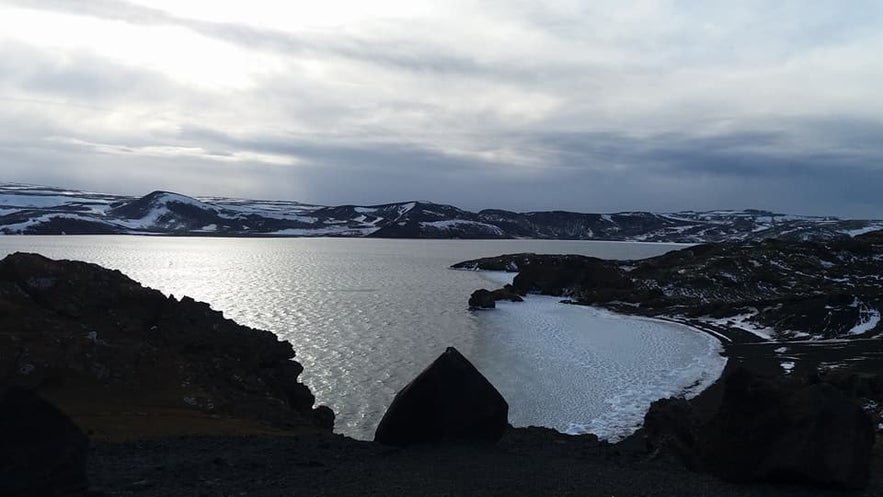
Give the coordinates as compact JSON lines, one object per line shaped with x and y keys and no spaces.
{"x":767,"y":430}
{"x":482,"y":299}
{"x":42,"y":452}
{"x":92,"y":340}
{"x":450,"y":401}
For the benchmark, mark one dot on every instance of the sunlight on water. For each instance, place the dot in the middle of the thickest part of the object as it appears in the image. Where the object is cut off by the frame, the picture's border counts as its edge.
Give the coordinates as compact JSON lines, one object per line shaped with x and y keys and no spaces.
{"x":366,"y":316}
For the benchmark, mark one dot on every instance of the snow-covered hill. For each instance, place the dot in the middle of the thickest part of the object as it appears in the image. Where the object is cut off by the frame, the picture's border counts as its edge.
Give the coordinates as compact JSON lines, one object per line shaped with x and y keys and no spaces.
{"x":27,"y":209}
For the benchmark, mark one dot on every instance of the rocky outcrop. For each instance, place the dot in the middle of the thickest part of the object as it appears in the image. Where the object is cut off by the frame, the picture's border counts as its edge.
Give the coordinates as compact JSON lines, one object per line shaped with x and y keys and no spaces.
{"x":93,"y":341}
{"x":482,"y":299}
{"x":507,"y":293}
{"x":797,"y":289}
{"x":485,"y":299}
{"x":450,"y":401}
{"x":769,"y":430}
{"x":42,"y":452}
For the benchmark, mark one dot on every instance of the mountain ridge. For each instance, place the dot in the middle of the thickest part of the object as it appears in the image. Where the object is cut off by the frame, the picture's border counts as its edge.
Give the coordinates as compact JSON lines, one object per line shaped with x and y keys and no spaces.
{"x":31,"y":209}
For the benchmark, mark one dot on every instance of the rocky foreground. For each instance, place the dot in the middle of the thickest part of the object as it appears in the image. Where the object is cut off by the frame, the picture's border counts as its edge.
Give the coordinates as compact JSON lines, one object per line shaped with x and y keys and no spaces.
{"x":168,"y":398}
{"x":125,"y":361}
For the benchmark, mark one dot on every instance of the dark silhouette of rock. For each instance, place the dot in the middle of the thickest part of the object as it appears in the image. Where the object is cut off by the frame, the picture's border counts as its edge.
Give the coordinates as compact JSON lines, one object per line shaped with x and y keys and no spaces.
{"x":768,"y":429}
{"x":42,"y":452}
{"x":670,"y":427}
{"x":482,"y":299}
{"x":450,"y":401}
{"x":92,"y":339}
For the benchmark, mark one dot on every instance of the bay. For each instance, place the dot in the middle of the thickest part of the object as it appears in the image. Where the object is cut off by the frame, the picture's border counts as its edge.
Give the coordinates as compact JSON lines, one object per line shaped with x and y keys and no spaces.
{"x":367,"y":315}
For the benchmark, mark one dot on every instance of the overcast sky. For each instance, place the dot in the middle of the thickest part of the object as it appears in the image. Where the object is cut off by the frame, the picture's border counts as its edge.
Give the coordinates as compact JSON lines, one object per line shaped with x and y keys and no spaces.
{"x":593,"y":106}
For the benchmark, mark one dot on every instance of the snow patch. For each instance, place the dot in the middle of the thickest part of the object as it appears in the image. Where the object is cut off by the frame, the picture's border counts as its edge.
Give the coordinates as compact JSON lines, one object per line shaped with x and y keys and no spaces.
{"x":742,"y":322}
{"x":449,"y":224}
{"x":869,"y":318}
{"x":866,"y":229}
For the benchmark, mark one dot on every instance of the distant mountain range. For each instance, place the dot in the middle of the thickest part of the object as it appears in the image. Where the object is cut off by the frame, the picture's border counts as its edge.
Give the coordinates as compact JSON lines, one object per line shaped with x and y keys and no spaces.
{"x":28,"y":209}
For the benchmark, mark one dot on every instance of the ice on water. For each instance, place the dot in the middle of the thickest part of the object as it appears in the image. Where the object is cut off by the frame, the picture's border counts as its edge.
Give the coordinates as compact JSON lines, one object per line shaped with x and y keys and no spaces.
{"x":586,"y":370}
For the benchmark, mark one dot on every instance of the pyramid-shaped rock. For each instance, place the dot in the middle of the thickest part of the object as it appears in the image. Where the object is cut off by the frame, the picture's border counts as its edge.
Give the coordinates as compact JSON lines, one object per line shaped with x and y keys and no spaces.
{"x":450,"y":401}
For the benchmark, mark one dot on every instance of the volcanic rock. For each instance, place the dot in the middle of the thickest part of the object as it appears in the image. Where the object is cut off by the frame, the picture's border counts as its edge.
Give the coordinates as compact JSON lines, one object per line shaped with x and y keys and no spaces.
{"x":450,"y":401}
{"x":482,"y":299}
{"x":42,"y":452}
{"x":765,"y":430}
{"x":670,"y":427}
{"x":93,"y":342}
{"x":769,"y":430}
{"x":508,"y":292}
{"x":796,"y":289}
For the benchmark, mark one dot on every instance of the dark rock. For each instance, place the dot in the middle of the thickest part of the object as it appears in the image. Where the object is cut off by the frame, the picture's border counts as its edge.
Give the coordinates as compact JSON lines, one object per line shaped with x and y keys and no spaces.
{"x":824,"y":289}
{"x":855,"y":384}
{"x":42,"y":452}
{"x":450,"y":401}
{"x":482,"y":299}
{"x":507,"y":293}
{"x":92,"y":339}
{"x":588,"y":278}
{"x":670,"y":427}
{"x":325,"y":416}
{"x":770,"y":430}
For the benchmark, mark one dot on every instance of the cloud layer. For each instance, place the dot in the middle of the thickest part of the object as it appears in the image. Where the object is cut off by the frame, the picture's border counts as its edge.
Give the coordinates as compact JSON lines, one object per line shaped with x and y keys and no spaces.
{"x":520,"y":105}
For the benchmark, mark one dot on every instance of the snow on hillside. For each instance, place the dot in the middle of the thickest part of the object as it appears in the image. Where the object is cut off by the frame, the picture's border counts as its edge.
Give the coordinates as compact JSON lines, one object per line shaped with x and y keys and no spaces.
{"x":26,"y":209}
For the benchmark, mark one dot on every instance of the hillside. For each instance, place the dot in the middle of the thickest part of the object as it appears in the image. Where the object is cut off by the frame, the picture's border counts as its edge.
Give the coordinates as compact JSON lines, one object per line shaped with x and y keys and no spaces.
{"x":37,"y":210}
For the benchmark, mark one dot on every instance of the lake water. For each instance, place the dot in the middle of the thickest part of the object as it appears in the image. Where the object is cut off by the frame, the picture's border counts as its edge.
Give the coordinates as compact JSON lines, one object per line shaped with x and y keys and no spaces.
{"x":367,"y":315}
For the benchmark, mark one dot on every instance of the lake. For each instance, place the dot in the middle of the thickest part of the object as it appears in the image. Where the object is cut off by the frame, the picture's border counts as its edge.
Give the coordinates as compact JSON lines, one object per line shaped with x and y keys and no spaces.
{"x":367,"y":315}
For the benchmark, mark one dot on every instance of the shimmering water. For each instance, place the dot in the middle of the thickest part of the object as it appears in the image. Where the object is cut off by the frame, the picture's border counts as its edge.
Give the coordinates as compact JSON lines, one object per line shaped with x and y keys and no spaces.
{"x":366,"y":316}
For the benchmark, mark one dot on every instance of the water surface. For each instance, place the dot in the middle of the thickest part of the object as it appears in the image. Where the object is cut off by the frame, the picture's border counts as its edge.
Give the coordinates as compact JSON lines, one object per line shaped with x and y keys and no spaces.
{"x":367,"y":315}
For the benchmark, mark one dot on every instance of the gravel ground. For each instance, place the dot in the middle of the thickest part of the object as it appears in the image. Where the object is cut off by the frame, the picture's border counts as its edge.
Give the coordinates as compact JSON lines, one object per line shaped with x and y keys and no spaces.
{"x":526,"y":462}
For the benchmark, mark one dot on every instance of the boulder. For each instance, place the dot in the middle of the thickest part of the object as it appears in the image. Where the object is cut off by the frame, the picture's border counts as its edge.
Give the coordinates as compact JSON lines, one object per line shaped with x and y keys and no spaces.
{"x":768,"y":430}
{"x":450,"y":401}
{"x":42,"y":452}
{"x":482,"y":299}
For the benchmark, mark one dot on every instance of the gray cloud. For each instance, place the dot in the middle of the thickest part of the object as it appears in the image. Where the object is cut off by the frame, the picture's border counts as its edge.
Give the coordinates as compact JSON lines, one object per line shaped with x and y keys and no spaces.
{"x":591,"y":107}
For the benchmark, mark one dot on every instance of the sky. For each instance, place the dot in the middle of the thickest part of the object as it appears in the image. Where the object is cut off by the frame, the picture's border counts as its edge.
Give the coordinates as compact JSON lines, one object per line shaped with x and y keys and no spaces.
{"x":591,"y":106}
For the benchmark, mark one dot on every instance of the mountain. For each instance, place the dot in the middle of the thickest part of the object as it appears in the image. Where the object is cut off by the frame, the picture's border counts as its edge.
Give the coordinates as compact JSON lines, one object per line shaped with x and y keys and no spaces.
{"x":28,"y":209}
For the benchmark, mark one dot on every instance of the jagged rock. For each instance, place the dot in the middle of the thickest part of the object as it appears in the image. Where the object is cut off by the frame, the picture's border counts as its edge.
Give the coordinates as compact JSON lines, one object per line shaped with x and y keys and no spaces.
{"x":42,"y":452}
{"x":769,"y":430}
{"x":450,"y":401}
{"x":482,"y":299}
{"x":91,"y":339}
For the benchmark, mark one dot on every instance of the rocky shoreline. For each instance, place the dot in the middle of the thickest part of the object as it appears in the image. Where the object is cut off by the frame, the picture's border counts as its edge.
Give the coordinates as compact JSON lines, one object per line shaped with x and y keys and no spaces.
{"x":186,"y":402}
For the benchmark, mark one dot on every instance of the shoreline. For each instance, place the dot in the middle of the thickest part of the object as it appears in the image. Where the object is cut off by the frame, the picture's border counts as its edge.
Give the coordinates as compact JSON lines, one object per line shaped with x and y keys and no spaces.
{"x":660,"y":358}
